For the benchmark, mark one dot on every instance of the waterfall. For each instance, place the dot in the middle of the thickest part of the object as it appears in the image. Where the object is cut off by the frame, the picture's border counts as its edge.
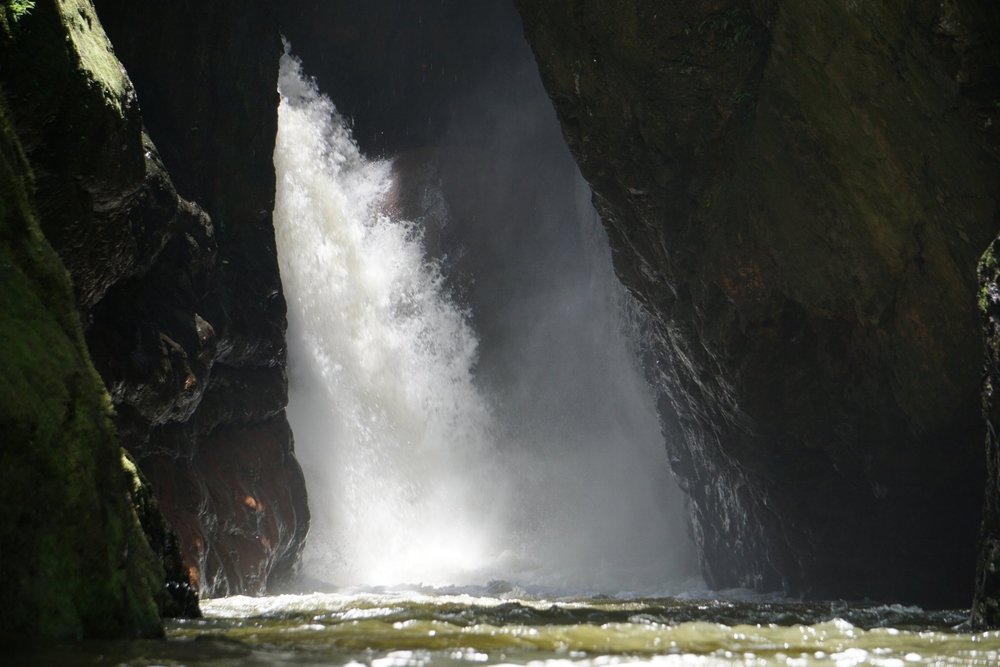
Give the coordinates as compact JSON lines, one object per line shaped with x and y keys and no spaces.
{"x":390,"y":429}
{"x":423,"y":464}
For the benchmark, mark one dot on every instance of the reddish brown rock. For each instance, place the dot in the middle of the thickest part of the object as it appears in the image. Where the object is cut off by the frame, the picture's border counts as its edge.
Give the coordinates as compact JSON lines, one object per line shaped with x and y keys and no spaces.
{"x":234,"y":503}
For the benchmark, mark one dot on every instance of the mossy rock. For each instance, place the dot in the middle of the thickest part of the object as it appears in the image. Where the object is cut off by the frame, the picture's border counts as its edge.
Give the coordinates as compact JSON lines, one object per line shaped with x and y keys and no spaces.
{"x":73,"y":558}
{"x":179,"y":597}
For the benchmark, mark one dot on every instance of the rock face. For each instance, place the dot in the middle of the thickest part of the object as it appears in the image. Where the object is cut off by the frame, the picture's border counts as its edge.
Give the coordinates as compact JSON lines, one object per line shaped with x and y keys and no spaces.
{"x":73,"y":558}
{"x":986,"y":605}
{"x":202,"y":391}
{"x":181,"y":302}
{"x":397,"y":67}
{"x":798,"y":192}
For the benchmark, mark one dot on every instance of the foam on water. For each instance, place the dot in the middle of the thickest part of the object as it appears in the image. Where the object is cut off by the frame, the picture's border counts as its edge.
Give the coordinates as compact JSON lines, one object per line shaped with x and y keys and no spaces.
{"x":424,"y":628}
{"x":420,"y":628}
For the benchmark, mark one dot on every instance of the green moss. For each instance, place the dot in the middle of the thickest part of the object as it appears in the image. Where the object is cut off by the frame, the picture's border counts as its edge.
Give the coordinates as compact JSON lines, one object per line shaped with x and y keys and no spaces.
{"x":94,"y":49}
{"x":74,"y":562}
{"x":11,"y":11}
{"x":19,"y":8}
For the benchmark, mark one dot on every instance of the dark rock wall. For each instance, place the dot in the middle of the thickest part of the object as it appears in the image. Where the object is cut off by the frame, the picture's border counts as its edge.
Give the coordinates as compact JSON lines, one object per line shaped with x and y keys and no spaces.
{"x":200,"y":378}
{"x":181,"y":302}
{"x":396,"y":67}
{"x":986,"y":605}
{"x":798,"y":193}
{"x":73,"y":559}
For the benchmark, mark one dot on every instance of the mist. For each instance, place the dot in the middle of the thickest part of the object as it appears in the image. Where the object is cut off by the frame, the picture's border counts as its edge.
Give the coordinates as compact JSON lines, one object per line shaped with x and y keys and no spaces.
{"x":506,"y":430}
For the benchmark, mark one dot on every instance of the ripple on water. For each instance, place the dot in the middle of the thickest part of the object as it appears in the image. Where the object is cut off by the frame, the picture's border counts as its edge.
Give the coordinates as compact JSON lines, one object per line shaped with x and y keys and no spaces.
{"x":422,"y":629}
{"x":394,"y":629}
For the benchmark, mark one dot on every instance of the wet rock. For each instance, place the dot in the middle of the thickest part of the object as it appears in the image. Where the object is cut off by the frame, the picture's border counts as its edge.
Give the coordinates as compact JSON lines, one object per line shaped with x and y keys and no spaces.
{"x":108,"y":206}
{"x":165,"y":291}
{"x":986,"y":605}
{"x":73,"y":559}
{"x":141,"y":258}
{"x":234,"y":501}
{"x":150,"y":342}
{"x":207,"y":355}
{"x":797,"y":193}
{"x":179,"y":598}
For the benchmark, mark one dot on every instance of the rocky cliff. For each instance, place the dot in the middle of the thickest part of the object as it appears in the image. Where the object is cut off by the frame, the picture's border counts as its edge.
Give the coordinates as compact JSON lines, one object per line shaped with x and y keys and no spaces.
{"x":221,"y":457}
{"x":222,"y":464}
{"x":798,"y":193}
{"x":181,"y":302}
{"x":73,"y":558}
{"x":986,"y":605}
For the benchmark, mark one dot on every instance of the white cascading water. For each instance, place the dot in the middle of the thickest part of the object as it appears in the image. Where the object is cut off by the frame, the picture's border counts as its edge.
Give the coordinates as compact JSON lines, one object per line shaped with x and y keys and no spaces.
{"x":414,"y":473}
{"x":390,"y":430}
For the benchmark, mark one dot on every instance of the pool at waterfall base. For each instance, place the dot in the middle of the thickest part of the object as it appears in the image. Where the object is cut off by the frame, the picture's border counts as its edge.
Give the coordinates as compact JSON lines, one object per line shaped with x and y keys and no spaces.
{"x":502,"y":624}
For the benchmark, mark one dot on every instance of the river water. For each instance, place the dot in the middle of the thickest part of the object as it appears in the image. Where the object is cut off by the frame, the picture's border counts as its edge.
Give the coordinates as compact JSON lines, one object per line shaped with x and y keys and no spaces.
{"x":489,"y":627}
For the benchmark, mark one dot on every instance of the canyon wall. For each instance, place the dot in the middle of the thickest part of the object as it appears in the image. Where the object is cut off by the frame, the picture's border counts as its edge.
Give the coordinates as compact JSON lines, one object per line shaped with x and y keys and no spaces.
{"x":798,"y":193}
{"x":986,"y":604}
{"x":180,"y":301}
{"x":73,"y":557}
{"x":210,"y":433}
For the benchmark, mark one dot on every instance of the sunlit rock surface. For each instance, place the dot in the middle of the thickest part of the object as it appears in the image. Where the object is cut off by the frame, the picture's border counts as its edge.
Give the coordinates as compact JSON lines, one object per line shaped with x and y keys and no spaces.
{"x":799,"y":193}
{"x":73,"y":559}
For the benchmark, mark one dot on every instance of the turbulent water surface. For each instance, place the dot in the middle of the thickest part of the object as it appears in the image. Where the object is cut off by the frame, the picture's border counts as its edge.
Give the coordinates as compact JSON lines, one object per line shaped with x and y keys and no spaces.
{"x":492,"y":627}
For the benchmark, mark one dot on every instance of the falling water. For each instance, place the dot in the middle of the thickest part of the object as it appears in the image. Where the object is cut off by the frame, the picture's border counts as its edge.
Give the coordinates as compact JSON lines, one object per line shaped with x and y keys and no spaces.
{"x":420,"y":469}
{"x":390,"y":429}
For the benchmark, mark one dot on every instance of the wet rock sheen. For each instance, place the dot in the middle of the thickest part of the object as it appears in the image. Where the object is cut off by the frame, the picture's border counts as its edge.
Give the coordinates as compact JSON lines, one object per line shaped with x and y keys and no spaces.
{"x":199,"y":377}
{"x":986,"y":606}
{"x":798,"y":193}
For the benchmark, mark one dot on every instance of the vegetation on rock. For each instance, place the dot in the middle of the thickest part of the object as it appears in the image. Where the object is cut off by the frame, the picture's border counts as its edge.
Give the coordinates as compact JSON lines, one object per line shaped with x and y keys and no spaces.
{"x":72,"y":555}
{"x":171,"y":315}
{"x":75,"y":556}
